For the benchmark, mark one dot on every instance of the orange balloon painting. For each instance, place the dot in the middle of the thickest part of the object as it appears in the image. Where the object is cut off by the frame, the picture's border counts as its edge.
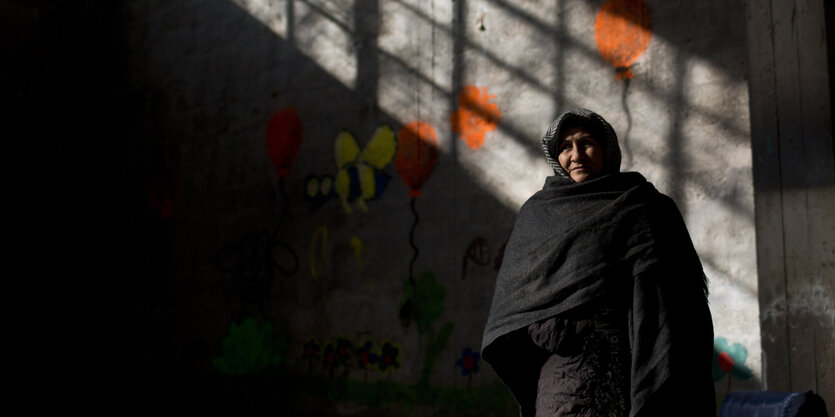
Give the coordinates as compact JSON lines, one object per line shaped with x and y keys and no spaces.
{"x":623,"y":30}
{"x":475,"y":116}
{"x":417,"y":153}
{"x":284,"y":138}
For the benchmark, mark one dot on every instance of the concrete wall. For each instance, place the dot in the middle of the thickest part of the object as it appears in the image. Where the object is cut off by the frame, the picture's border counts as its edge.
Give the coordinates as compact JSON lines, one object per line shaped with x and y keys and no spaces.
{"x":252,"y":270}
{"x":277,"y":229}
{"x":203,"y":135}
{"x":794,"y":174}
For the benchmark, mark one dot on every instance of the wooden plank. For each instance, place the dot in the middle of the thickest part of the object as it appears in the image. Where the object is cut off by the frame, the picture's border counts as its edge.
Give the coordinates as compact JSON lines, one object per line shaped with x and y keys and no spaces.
{"x":786,"y":18}
{"x":767,"y":197}
{"x":819,"y":168}
{"x":794,"y":181}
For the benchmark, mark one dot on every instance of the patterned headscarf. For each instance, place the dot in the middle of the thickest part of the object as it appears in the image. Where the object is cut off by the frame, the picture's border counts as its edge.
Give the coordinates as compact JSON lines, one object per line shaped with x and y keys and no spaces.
{"x":599,"y":129}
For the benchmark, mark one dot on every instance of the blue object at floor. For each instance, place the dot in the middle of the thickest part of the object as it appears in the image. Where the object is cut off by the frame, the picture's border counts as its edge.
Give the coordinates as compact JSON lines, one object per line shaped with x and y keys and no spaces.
{"x":773,"y":404}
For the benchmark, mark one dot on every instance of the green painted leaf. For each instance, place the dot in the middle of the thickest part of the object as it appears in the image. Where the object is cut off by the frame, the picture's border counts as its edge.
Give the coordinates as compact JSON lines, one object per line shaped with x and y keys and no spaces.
{"x":250,"y":348}
{"x":424,"y":301}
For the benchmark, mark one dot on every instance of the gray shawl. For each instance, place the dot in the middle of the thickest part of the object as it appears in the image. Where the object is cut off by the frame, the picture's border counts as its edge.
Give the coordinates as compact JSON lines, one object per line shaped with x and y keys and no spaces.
{"x":598,"y":127}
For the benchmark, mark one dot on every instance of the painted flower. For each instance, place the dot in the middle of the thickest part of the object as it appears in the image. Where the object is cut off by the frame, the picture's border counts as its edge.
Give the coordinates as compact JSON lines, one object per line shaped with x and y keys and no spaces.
{"x":388,"y":357}
{"x":329,"y":356}
{"x":468,"y":362}
{"x":311,"y":349}
{"x":337,"y":354}
{"x":344,"y":347}
{"x":475,"y":116}
{"x":729,"y":359}
{"x":366,"y":356}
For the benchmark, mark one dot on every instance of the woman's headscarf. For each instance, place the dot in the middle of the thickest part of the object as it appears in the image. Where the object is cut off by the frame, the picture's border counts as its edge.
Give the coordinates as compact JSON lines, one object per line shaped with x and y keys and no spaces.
{"x":599,"y":129}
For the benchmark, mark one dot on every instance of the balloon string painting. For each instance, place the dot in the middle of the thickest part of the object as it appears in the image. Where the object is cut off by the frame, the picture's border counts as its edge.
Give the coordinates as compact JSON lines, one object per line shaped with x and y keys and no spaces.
{"x":284,"y":139}
{"x":623,"y":30}
{"x":417,"y":154}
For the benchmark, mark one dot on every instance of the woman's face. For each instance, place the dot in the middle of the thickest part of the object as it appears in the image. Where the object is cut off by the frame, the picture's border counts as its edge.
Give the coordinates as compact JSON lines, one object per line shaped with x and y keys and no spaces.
{"x":580,"y":154}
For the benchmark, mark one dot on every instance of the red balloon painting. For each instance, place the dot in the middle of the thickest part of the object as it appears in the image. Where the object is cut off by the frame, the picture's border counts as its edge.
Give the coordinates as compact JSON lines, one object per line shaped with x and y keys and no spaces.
{"x":623,"y":30}
{"x":417,"y":153}
{"x":284,"y":138}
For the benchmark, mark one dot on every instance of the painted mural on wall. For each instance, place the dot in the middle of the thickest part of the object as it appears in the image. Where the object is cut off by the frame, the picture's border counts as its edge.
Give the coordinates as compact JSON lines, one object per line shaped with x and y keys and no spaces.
{"x":729,"y":362}
{"x":341,"y":356}
{"x":318,"y":190}
{"x":253,"y":260}
{"x":476,"y":116}
{"x":478,"y":252}
{"x":622,"y":30}
{"x":371,"y":64}
{"x":468,"y":362}
{"x":357,"y":249}
{"x":318,"y":250}
{"x":311,"y":353}
{"x":366,"y":357}
{"x":422,"y":302}
{"x":360,"y":176}
{"x":417,"y":154}
{"x":284,"y":139}
{"x":252,"y":263}
{"x":337,"y":356}
{"x":251,"y":348}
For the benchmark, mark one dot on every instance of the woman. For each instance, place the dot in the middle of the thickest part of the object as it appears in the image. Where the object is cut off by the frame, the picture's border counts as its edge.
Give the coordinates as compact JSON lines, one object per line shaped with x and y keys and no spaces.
{"x":600,"y":308}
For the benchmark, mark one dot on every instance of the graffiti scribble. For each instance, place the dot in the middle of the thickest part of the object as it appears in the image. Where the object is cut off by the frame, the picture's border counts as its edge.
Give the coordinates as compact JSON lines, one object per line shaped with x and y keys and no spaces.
{"x":478,"y":252}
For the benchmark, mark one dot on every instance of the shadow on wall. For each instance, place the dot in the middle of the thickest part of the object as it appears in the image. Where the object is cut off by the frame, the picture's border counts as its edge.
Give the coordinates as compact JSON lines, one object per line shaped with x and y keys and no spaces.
{"x":289,"y":257}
